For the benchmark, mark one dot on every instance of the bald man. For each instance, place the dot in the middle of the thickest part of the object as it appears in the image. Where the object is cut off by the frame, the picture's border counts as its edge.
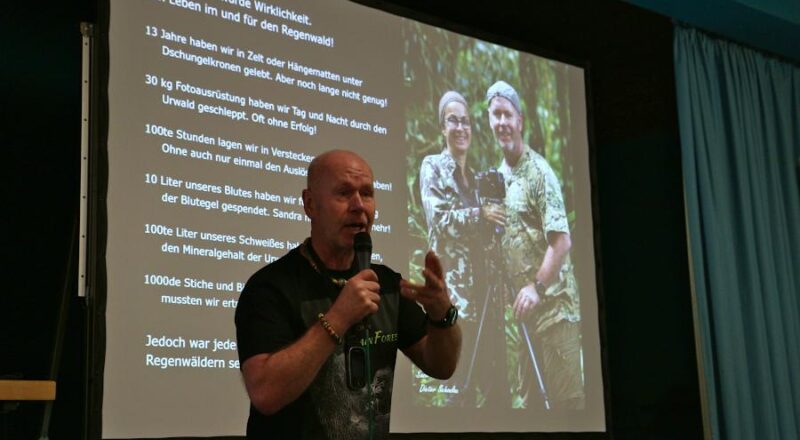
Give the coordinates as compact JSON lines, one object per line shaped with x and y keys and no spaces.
{"x":302,"y":318}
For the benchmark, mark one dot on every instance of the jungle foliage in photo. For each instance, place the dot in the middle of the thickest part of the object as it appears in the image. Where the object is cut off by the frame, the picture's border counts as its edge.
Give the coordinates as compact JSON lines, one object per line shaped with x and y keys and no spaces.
{"x":436,"y":61}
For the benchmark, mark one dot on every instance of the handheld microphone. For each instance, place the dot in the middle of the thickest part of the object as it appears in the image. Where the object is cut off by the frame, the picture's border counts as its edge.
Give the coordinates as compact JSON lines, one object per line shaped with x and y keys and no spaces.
{"x":357,"y":356}
{"x":362,"y":245}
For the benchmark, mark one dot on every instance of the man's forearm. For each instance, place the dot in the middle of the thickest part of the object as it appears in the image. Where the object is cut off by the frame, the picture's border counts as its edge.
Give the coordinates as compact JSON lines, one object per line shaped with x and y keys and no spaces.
{"x":277,"y":379}
{"x":441,"y":351}
{"x":557,"y":250}
{"x":551,"y":264}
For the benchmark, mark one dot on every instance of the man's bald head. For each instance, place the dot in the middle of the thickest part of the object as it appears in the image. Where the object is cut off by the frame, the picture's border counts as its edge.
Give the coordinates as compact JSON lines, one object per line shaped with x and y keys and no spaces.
{"x":331,"y":161}
{"x":340,"y":201}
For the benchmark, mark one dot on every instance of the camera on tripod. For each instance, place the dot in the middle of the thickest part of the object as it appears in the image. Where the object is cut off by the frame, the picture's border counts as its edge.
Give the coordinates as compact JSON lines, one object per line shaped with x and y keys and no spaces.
{"x":491,"y":190}
{"x":491,"y":187}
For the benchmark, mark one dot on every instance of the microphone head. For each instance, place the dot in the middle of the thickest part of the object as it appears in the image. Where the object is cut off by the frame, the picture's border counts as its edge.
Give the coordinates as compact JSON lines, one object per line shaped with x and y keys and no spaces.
{"x":362,"y":245}
{"x":362,"y":242}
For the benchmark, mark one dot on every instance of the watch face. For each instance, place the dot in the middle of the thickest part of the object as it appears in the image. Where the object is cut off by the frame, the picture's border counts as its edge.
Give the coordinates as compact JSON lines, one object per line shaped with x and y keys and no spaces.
{"x":452,"y":315}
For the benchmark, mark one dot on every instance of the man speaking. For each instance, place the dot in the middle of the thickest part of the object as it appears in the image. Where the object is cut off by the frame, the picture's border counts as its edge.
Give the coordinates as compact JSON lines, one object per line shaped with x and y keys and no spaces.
{"x":318,"y":336}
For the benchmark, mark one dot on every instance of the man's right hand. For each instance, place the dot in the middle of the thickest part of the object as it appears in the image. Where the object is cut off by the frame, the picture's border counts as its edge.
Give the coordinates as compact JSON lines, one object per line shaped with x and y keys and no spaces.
{"x":359,"y":298}
{"x":273,"y":380}
{"x":527,"y":299}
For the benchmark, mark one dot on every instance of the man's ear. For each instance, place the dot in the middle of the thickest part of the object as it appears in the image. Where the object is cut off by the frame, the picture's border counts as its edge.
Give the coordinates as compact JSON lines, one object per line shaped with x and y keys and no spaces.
{"x":308,"y":205}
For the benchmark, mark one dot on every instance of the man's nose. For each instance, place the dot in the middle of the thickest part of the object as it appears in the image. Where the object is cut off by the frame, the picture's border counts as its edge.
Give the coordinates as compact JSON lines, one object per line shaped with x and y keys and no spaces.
{"x":356,"y":203}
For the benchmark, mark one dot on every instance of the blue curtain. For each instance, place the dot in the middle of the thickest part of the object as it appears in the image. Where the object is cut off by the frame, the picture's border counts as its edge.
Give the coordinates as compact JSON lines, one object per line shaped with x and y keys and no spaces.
{"x":739,"y":114}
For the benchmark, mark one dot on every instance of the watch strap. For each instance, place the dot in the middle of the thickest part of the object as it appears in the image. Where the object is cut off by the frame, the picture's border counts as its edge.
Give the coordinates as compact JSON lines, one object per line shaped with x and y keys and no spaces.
{"x":449,"y":319}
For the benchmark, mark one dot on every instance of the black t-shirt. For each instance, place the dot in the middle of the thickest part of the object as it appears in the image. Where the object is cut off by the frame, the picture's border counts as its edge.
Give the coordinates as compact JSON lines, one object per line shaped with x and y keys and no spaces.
{"x":278,"y":305}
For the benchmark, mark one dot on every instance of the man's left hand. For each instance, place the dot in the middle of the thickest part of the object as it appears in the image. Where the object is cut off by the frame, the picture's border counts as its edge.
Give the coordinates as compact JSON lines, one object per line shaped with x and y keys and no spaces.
{"x":433,"y":294}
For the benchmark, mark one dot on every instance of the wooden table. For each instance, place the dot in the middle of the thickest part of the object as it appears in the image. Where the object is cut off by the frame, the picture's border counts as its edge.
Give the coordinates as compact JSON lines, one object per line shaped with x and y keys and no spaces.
{"x":27,"y":390}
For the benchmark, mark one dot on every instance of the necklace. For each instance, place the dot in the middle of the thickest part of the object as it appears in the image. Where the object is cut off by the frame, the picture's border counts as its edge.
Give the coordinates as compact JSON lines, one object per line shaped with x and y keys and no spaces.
{"x":308,"y":252}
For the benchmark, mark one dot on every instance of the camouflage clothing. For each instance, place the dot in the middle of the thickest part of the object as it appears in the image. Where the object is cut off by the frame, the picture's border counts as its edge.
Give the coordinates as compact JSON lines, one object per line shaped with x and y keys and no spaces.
{"x":534,"y":207}
{"x":453,"y":227}
{"x":468,"y":249}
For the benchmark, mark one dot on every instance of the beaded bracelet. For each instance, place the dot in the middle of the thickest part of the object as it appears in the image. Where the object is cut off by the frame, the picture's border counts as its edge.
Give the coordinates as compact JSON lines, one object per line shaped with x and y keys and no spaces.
{"x":327,"y":326}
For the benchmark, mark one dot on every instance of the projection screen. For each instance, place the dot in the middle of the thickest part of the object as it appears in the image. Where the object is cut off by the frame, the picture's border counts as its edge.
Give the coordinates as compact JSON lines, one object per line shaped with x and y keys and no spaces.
{"x":216,"y":109}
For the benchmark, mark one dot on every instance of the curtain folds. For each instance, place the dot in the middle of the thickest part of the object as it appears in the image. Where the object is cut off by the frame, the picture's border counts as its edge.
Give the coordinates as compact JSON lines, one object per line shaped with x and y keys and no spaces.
{"x":739,"y":114}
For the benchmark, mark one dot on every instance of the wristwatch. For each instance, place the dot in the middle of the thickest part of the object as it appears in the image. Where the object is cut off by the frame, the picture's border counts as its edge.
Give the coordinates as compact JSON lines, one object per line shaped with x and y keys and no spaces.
{"x":449,"y":319}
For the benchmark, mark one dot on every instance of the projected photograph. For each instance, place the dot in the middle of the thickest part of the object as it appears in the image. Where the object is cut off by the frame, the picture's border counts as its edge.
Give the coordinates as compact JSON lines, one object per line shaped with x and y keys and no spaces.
{"x":491,"y":190}
{"x":213,"y":118}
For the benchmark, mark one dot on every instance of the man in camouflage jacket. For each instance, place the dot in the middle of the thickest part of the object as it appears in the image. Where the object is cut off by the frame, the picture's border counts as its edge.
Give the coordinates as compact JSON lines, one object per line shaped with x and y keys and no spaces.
{"x":536,"y":244}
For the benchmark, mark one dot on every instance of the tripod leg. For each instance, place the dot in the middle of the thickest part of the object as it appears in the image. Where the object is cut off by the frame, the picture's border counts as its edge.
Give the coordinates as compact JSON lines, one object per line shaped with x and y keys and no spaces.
{"x":535,"y":365}
{"x":477,"y":341}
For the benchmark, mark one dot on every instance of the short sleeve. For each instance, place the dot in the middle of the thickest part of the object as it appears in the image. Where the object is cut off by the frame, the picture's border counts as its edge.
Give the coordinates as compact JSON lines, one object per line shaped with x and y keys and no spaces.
{"x":549,"y":201}
{"x":262,"y":321}
{"x":412,"y":325}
